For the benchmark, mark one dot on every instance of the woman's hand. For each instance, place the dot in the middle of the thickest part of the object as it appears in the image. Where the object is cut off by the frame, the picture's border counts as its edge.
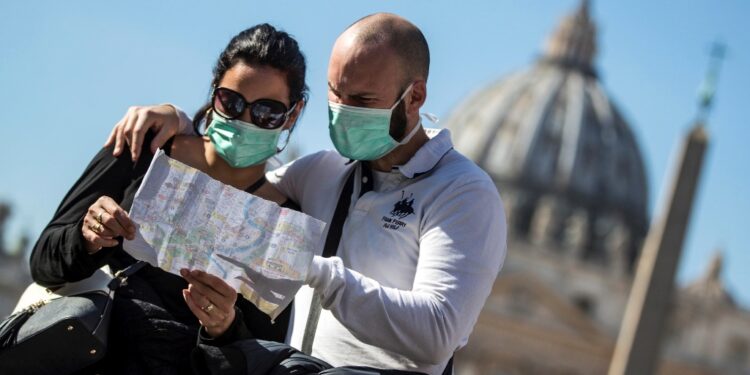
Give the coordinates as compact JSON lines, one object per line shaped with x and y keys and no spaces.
{"x":211,"y":300}
{"x":105,"y":220}
{"x":137,"y":121}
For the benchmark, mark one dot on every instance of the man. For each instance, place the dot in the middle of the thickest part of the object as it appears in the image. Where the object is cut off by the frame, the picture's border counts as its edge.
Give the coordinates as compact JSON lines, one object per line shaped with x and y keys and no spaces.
{"x":419,"y":253}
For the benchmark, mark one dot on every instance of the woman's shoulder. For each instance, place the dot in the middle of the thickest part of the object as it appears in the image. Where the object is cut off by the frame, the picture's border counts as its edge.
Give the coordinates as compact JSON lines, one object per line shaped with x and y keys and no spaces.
{"x":187,"y":149}
{"x":182,"y":142}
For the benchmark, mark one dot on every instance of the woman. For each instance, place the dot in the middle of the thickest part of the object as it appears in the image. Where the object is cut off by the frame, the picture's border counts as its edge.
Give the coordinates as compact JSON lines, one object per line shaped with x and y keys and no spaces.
{"x":258,"y":91}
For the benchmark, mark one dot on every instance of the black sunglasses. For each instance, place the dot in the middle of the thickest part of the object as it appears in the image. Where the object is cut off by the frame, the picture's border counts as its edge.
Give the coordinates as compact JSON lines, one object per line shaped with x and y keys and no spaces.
{"x":264,"y":113}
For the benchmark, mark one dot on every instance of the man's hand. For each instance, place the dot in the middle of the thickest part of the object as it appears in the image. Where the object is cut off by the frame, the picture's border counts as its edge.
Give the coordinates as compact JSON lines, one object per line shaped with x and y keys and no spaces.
{"x":137,"y":121}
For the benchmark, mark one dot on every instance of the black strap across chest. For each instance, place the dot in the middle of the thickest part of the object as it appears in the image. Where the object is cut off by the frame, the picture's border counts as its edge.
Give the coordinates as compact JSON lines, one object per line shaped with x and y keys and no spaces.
{"x":342,"y":208}
{"x":331,"y":245}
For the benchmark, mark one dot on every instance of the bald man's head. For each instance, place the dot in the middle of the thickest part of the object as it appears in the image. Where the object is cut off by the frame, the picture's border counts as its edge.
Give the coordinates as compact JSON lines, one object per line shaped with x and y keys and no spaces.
{"x":385,"y":30}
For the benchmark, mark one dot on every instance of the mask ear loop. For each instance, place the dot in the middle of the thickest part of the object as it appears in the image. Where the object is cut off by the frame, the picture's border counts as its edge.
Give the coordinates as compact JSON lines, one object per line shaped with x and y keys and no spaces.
{"x":431,"y":117}
{"x":289,"y":131}
{"x":403,"y":96}
{"x":210,"y":108}
{"x":204,"y":122}
{"x":286,"y":141}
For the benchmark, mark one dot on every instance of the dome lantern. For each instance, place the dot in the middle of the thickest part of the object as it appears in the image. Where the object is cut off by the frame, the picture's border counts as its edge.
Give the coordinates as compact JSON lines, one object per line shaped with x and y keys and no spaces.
{"x":573,"y":44}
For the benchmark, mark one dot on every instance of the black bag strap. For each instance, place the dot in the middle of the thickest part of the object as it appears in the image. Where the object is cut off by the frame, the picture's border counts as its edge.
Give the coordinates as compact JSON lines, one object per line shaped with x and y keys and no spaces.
{"x":342,"y":207}
{"x":119,"y":279}
{"x":449,"y":367}
{"x":332,"y":241}
{"x":122,"y":275}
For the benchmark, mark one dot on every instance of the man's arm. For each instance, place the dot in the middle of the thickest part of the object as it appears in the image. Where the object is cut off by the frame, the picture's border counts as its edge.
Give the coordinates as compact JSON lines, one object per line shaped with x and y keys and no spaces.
{"x":462,"y":249}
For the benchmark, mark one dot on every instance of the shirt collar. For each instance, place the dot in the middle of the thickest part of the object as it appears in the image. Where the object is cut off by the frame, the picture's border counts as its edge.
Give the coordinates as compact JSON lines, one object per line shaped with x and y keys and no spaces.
{"x":428,"y":156}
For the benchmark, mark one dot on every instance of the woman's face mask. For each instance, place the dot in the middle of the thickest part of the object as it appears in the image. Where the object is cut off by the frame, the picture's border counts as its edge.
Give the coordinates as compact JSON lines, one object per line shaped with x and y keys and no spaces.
{"x":242,"y":144}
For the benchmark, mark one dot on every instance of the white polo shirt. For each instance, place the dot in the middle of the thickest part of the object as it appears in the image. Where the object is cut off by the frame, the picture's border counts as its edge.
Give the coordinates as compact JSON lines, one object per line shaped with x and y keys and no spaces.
{"x":417,"y":258}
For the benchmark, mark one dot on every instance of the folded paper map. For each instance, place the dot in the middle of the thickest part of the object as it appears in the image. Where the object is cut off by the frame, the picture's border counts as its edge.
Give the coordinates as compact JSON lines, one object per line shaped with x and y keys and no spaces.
{"x":186,"y":219}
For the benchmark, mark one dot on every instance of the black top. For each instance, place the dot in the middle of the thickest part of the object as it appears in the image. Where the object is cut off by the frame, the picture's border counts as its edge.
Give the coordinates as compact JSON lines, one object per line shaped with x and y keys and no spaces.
{"x":60,"y":256}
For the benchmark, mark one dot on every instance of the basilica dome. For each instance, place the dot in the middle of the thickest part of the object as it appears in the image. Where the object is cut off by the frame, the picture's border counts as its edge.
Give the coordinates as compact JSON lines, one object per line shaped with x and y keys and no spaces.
{"x":566,"y":162}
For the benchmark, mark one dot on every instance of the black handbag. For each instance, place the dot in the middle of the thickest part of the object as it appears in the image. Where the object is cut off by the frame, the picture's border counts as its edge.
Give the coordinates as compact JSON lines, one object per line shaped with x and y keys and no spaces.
{"x":60,"y":335}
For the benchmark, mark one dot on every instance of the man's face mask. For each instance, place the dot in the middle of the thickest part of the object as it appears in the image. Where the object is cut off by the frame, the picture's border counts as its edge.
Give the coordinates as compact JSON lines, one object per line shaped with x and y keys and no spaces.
{"x":360,"y":133}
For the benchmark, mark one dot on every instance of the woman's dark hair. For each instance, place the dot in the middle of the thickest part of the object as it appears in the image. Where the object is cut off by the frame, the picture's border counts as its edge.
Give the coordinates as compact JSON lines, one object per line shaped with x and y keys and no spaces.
{"x":261,"y":45}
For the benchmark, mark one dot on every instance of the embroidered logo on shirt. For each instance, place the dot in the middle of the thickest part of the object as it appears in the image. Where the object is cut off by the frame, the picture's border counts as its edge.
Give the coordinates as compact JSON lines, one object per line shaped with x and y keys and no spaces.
{"x":401,"y":209}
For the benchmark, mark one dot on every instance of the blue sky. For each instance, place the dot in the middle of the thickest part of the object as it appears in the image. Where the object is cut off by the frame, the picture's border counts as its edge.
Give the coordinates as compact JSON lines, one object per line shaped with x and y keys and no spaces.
{"x":69,"y":70}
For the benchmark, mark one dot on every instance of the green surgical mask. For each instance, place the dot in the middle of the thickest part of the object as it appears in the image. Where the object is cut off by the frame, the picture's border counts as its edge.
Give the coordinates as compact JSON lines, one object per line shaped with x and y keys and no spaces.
{"x":360,"y":133}
{"x":240,"y":143}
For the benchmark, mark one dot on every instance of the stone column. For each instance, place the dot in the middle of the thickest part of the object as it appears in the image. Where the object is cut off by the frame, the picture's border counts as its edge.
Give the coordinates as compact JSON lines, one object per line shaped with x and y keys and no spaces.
{"x":639,"y":342}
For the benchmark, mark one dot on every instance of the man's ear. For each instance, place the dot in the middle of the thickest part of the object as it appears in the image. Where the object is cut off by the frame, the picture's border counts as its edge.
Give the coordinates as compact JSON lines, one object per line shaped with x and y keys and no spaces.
{"x":417,"y":97}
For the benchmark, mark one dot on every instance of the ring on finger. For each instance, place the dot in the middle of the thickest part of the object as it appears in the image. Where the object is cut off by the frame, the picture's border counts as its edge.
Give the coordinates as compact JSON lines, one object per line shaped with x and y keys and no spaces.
{"x":208,"y":308}
{"x":96,"y":228}
{"x":99,"y":217}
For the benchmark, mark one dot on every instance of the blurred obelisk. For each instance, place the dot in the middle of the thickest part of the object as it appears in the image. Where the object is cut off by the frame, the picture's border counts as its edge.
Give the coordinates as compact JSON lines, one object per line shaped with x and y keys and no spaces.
{"x":639,"y":342}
